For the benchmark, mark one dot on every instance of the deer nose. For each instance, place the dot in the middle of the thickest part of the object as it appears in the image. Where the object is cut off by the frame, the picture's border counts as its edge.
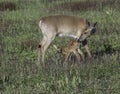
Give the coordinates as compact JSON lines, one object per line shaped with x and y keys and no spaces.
{"x":93,"y":31}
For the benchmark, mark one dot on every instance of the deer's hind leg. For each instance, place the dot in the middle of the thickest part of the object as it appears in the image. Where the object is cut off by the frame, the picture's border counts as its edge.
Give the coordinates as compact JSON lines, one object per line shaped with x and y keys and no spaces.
{"x":66,"y":58}
{"x":40,"y":48}
{"x":44,"y":45}
{"x":77,"y":55}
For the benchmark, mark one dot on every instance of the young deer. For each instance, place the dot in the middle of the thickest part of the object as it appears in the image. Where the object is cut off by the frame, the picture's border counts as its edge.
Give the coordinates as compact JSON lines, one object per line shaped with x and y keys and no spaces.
{"x":72,"y":47}
{"x":62,"y":25}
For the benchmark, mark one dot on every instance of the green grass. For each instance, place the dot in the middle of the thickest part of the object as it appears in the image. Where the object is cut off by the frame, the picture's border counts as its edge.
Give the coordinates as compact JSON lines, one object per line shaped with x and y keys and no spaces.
{"x":20,"y":35}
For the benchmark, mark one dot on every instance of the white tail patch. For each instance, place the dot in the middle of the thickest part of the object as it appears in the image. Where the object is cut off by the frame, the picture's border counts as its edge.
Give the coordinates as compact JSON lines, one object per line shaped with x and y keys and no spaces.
{"x":68,"y":35}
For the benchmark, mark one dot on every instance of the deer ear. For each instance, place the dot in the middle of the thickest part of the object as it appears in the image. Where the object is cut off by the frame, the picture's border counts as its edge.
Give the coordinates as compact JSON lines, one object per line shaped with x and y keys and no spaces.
{"x":94,"y":25}
{"x":88,"y":23}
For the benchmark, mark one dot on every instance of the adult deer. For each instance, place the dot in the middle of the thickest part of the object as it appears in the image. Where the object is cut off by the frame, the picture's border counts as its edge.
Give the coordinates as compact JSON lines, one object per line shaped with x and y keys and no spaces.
{"x":62,"y":25}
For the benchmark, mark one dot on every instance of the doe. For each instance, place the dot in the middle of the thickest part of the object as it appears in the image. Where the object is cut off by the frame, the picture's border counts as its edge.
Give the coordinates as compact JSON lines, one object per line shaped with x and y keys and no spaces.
{"x":63,"y":25}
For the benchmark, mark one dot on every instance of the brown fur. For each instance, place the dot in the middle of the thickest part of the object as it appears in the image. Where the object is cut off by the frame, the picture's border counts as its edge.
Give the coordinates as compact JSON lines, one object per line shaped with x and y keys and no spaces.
{"x":71,"y":47}
{"x":62,"y":25}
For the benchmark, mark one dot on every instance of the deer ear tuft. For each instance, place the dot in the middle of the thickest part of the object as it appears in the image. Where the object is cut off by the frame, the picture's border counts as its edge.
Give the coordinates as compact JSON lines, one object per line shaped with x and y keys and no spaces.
{"x":94,"y":25}
{"x":88,"y":23}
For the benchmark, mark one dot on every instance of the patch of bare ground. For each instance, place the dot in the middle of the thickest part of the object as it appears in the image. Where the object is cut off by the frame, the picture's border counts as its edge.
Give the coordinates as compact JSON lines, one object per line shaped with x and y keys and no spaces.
{"x":82,"y":5}
{"x":7,"y":6}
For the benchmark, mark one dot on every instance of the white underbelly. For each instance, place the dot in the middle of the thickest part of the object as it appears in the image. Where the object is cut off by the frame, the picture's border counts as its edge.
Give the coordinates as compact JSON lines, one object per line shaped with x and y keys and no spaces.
{"x":67,"y":35}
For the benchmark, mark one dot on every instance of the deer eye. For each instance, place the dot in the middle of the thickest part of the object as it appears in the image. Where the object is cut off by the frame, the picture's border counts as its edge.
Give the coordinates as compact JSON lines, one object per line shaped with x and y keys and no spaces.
{"x":85,"y":33}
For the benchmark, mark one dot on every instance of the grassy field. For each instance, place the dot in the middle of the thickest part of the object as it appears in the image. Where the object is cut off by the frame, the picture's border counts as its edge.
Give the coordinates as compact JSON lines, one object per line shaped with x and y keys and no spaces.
{"x":20,"y":35}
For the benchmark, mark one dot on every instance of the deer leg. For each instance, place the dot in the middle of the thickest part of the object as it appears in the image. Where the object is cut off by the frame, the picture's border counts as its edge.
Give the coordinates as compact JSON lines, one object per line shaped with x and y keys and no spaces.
{"x":43,"y":50}
{"x":84,"y":43}
{"x":81,"y":53}
{"x":50,"y":38}
{"x":39,"y":52}
{"x":88,"y":51}
{"x":77,"y":55}
{"x":40,"y":47}
{"x":66,"y":58}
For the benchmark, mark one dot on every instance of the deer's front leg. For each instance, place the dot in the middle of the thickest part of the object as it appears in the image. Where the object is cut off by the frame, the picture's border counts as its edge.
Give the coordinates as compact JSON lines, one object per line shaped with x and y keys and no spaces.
{"x":88,"y":51}
{"x":77,"y":55}
{"x":84,"y":43}
{"x":66,"y":58}
{"x":81,"y":54}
